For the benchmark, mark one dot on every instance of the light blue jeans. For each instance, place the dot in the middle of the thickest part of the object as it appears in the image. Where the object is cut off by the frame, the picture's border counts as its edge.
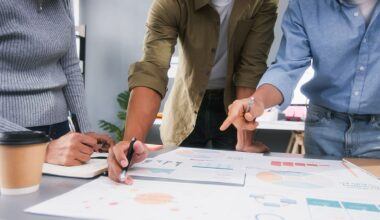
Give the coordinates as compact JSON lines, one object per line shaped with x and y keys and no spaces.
{"x":330,"y":133}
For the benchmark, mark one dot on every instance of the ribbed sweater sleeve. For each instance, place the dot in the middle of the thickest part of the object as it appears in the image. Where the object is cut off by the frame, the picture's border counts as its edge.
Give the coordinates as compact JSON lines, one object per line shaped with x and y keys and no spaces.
{"x":74,"y":90}
{"x":6,"y":125}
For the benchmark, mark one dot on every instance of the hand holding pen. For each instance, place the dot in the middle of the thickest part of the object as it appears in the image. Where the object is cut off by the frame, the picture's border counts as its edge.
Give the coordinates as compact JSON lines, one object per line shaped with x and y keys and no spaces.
{"x":104,"y":142}
{"x":123,"y":155}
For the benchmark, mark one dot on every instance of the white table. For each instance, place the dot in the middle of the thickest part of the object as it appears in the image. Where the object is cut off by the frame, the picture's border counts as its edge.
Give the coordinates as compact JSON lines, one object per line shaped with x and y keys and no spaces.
{"x":295,"y":145}
{"x":270,"y":125}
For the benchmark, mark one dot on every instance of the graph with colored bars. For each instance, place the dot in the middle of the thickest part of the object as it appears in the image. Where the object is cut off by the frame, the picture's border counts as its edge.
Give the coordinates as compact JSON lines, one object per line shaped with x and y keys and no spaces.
{"x":334,"y":209}
{"x":296,"y":164}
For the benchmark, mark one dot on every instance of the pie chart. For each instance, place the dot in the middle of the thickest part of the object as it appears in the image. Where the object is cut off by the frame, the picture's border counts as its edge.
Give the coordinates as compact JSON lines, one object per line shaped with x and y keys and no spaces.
{"x":292,"y":179}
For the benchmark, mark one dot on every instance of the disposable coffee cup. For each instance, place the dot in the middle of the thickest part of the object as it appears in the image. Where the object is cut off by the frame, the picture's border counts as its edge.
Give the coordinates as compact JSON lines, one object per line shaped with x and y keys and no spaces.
{"x":22,"y":155}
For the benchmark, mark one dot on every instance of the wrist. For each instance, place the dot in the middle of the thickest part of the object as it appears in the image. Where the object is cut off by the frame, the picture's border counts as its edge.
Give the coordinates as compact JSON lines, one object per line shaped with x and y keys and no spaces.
{"x":258,"y":100}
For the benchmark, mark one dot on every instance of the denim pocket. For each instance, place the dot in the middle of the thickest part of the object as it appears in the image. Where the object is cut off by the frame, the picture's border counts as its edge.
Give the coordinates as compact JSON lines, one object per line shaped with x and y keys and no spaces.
{"x":314,"y":117}
{"x":375,"y":123}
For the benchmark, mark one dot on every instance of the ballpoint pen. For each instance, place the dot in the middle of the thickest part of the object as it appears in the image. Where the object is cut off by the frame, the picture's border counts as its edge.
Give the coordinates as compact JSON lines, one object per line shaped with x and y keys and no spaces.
{"x":123,"y":175}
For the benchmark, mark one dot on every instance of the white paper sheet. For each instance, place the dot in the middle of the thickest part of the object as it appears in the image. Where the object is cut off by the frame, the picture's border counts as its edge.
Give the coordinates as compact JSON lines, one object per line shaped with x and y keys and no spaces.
{"x":92,"y":168}
{"x":218,"y":172}
{"x":323,"y":177}
{"x":274,"y":189}
{"x":104,"y":199}
{"x":206,"y":155}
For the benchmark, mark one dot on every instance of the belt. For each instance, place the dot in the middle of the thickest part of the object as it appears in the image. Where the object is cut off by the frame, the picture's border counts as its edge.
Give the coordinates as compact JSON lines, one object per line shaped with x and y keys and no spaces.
{"x":342,"y":115}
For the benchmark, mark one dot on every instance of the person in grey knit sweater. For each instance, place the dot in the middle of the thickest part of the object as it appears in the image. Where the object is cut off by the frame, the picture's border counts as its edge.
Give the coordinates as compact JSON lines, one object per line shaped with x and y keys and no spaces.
{"x":40,"y":78}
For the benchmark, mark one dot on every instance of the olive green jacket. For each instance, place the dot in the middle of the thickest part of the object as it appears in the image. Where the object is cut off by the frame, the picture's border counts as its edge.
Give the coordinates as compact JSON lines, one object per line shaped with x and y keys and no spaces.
{"x":196,"y":24}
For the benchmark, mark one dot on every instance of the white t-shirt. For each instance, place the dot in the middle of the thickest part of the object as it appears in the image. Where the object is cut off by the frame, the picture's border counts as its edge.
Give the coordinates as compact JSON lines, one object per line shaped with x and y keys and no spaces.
{"x":366,"y":8}
{"x":219,"y":71}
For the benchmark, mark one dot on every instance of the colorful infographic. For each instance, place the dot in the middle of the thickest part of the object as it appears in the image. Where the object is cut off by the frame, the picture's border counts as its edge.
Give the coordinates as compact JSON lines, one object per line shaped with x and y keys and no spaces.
{"x":207,"y":184}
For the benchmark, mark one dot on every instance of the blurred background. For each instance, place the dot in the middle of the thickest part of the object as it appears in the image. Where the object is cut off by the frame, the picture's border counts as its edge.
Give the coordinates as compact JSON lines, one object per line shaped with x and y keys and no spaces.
{"x":114,"y":33}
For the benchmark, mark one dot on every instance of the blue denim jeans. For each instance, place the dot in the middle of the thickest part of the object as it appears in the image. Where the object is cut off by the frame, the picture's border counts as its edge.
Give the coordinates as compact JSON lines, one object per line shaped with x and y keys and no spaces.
{"x":330,"y":133}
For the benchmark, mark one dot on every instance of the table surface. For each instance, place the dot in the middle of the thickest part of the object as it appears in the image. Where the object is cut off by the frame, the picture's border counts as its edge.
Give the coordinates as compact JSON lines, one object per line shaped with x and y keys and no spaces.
{"x":271,"y":125}
{"x":12,"y":207}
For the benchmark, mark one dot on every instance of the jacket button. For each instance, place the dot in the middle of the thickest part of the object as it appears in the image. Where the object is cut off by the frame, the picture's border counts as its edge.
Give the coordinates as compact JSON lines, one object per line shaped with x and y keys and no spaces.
{"x":213,"y":50}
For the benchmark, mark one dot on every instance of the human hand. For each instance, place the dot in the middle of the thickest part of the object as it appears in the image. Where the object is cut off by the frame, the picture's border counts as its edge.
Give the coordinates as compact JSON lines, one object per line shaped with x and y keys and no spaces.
{"x":240,"y":117}
{"x":104,"y":142}
{"x":245,"y":143}
{"x":72,"y":149}
{"x":117,"y":158}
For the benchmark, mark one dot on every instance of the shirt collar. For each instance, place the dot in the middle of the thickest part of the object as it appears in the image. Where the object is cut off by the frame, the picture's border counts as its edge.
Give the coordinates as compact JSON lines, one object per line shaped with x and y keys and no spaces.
{"x":341,"y":2}
{"x":345,"y":3}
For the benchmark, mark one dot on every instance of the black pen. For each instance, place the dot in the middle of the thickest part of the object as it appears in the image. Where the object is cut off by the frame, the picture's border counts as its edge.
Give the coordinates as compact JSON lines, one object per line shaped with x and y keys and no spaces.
{"x":123,"y":175}
{"x":73,"y":122}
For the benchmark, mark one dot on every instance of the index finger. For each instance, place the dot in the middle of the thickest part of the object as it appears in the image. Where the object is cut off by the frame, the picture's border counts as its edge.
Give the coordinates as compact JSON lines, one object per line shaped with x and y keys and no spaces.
{"x":140,"y":148}
{"x":227,"y":123}
{"x":152,"y":148}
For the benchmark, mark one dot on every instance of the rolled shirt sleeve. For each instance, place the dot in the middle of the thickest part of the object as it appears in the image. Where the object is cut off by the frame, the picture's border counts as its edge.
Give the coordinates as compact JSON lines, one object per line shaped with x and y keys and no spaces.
{"x":293,"y":58}
{"x":160,"y":40}
{"x":253,"y":63}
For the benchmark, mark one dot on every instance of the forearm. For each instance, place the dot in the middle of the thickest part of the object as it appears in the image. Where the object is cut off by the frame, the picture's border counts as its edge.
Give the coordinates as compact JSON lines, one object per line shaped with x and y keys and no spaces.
{"x":268,"y":95}
{"x":143,"y":107}
{"x":244,"y":92}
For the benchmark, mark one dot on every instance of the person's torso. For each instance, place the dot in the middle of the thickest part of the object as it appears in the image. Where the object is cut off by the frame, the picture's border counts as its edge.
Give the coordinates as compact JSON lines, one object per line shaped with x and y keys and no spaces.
{"x":219,"y":71}
{"x":32,"y":42}
{"x":346,"y":56}
{"x":199,"y":31}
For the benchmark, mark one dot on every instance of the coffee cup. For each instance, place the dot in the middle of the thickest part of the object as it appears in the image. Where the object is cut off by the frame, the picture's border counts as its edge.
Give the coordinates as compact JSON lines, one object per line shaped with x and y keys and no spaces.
{"x":22,"y":155}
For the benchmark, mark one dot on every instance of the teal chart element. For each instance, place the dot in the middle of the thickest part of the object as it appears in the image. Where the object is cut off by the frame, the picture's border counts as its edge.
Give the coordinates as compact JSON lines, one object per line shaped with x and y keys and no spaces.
{"x":269,"y":200}
{"x":340,"y":205}
{"x":212,"y":165}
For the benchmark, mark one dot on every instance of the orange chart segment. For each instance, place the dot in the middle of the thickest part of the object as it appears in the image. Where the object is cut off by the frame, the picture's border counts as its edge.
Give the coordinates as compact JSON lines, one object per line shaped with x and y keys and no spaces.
{"x":153,"y":198}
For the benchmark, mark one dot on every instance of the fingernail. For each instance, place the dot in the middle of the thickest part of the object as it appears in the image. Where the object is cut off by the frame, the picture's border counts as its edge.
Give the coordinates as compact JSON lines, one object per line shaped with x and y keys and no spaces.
{"x":124,"y":163}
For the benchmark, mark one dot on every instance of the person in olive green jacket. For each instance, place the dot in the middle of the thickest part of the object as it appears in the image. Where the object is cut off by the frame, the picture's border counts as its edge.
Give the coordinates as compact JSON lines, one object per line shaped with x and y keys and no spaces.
{"x":224,"y":49}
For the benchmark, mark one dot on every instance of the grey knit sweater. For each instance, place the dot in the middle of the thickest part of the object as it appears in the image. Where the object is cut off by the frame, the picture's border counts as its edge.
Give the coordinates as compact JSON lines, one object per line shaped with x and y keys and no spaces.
{"x":40,"y":78}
